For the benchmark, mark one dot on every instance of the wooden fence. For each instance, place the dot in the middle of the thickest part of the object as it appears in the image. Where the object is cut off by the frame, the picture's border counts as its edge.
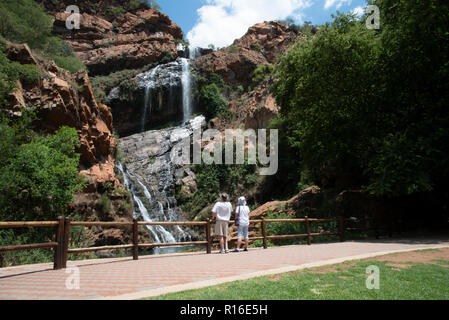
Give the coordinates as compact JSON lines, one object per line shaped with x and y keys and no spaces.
{"x":63,"y":226}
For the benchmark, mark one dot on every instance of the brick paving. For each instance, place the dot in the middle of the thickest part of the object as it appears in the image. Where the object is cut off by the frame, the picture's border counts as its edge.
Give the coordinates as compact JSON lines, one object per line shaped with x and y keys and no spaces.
{"x":115,"y":277}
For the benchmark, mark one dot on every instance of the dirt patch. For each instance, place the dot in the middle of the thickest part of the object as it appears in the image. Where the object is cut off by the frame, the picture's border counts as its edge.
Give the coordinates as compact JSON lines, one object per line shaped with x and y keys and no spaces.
{"x":275,"y":278}
{"x":341,"y":268}
{"x":407,"y":259}
{"x":398,"y":266}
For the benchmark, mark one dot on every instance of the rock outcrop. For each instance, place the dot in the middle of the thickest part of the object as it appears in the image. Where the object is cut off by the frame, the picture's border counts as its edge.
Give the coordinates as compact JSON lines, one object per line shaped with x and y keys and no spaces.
{"x":261,"y":45}
{"x":256,"y":108}
{"x":154,"y":99}
{"x":127,"y":42}
{"x":65,"y":99}
{"x":153,"y":170}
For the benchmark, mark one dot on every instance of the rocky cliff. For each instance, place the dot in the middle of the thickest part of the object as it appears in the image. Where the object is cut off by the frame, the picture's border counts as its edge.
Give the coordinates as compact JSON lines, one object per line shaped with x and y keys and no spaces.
{"x":261,"y":45}
{"x":107,"y":43}
{"x":258,"y":48}
{"x":65,"y":99}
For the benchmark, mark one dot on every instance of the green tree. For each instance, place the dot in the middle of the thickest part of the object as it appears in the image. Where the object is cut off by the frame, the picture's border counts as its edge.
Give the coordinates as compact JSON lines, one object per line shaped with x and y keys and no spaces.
{"x":372,"y":104}
{"x":213,"y":101}
{"x":326,"y":89}
{"x":38,"y":174}
{"x":414,"y":84}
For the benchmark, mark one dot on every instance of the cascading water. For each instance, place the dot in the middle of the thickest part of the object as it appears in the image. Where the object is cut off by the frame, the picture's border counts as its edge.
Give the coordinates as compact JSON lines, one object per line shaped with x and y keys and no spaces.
{"x":186,"y":89}
{"x":149,"y":173}
{"x":159,"y":233}
{"x":194,"y":53}
{"x":147,"y":99}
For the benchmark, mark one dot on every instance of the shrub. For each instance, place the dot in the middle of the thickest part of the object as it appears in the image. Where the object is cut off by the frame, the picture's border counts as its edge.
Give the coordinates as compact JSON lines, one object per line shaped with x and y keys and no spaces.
{"x":24,"y":21}
{"x":212,"y":179}
{"x":233,"y":49}
{"x":134,"y":5}
{"x":38,"y":174}
{"x":72,"y":64}
{"x":256,"y":46}
{"x":284,"y":228}
{"x":213,"y":101}
{"x":104,"y":204}
{"x":10,"y":72}
{"x":262,"y":74}
{"x":116,"y":12}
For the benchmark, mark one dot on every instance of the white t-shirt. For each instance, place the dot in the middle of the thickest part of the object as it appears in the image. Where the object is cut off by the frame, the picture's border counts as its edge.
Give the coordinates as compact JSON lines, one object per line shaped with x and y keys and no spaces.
{"x":243,"y":212}
{"x":223,"y":210}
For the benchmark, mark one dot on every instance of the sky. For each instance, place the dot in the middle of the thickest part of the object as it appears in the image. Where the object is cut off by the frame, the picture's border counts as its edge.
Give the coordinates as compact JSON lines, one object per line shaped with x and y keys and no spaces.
{"x":220,"y":22}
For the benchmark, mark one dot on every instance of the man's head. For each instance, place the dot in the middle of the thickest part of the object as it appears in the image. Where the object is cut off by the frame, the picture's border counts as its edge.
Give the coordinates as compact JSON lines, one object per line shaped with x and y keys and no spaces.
{"x":224,"y":197}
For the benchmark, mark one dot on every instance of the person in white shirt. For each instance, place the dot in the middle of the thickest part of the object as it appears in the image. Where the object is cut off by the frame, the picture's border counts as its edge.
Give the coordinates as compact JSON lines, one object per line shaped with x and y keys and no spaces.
{"x":242,"y":215}
{"x":222,"y":212}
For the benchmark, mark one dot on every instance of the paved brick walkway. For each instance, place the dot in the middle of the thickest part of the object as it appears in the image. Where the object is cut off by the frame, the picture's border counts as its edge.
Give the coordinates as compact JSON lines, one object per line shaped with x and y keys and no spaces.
{"x":115,"y":277}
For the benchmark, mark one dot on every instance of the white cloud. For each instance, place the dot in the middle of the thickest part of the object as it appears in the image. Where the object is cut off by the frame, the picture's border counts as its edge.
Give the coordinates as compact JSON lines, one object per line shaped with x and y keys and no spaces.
{"x":338,"y":3}
{"x":222,"y":21}
{"x":358,"y":11}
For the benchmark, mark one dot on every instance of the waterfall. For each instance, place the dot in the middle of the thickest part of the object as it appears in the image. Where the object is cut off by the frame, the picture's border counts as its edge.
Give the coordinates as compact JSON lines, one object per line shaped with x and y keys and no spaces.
{"x":159,"y":233}
{"x":149,"y":84}
{"x":186,"y":89}
{"x":150,"y":175}
{"x":194,"y":53}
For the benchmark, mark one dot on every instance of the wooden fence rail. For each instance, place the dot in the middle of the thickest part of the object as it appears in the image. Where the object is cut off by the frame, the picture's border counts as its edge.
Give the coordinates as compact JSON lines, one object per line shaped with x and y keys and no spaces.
{"x":63,"y":226}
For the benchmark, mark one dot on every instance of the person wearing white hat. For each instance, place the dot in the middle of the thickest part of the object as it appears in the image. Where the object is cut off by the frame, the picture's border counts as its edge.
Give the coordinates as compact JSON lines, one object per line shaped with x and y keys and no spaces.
{"x":242,"y":216}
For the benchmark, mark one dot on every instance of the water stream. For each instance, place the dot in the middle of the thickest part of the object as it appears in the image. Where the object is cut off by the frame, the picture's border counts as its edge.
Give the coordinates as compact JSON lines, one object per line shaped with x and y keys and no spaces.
{"x":148,"y":172}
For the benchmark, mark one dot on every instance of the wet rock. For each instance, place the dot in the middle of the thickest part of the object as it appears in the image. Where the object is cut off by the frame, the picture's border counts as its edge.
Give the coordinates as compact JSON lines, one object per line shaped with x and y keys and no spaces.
{"x":152,"y":173}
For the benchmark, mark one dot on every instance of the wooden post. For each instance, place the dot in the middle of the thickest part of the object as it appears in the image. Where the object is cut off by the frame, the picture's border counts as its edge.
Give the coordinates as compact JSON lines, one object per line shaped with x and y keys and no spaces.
{"x":135,"y":240}
{"x":342,"y":229}
{"x":65,"y":247}
{"x":309,"y":238}
{"x":208,"y":237}
{"x":264,"y":233}
{"x":60,"y":240}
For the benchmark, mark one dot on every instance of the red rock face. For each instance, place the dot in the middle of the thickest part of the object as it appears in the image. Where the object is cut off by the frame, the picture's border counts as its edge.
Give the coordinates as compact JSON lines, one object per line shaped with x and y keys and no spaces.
{"x":261,"y":45}
{"x":131,"y":41}
{"x":255,"y":109}
{"x":64,"y":99}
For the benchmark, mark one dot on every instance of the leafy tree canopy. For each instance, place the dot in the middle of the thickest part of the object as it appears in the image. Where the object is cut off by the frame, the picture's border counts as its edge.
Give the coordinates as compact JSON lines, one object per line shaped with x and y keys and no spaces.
{"x":372,"y":104}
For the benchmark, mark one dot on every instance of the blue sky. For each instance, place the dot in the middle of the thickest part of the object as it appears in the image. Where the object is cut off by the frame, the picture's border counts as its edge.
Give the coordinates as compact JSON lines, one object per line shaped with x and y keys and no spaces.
{"x":221,"y":21}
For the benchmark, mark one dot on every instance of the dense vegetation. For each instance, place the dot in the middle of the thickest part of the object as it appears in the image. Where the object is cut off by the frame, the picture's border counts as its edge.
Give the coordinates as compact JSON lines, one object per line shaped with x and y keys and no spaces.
{"x":38,"y":171}
{"x":236,"y":180}
{"x":370,"y":106}
{"x":38,"y":179}
{"x":10,"y":72}
{"x":24,"y":21}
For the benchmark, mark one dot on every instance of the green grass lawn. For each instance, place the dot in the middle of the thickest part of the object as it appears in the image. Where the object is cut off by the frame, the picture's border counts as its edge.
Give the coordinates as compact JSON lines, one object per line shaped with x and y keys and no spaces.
{"x":339,"y":282}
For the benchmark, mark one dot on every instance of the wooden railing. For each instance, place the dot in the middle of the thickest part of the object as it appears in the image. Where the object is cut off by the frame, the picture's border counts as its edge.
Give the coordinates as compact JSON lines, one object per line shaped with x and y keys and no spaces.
{"x":63,"y":226}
